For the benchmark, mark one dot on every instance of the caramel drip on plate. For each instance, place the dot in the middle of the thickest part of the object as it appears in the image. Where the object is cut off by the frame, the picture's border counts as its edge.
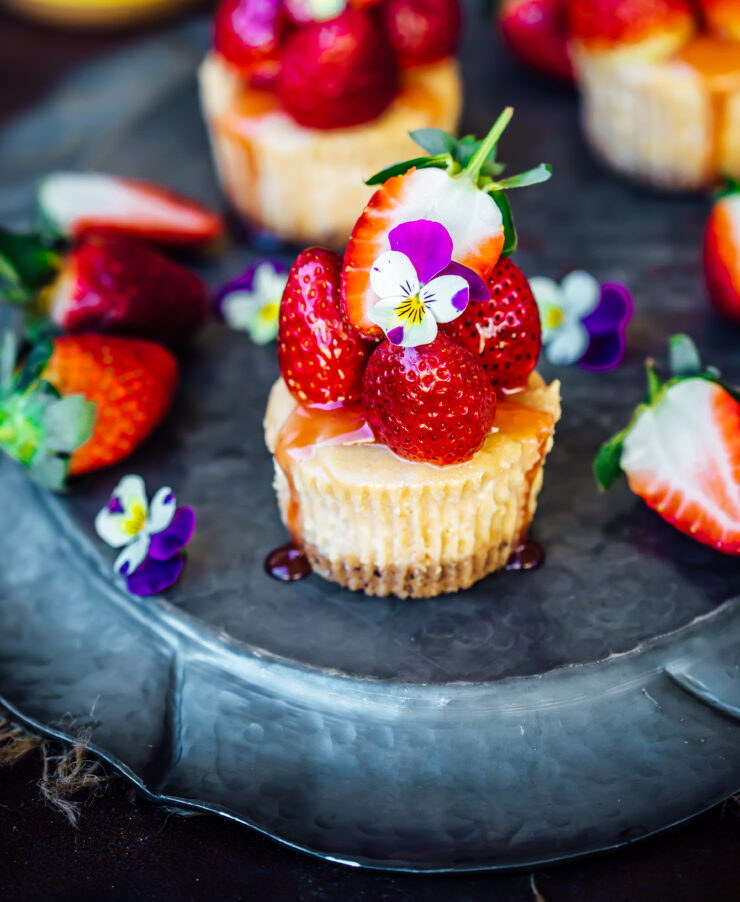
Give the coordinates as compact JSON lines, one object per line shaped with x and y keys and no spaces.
{"x":717,"y":61}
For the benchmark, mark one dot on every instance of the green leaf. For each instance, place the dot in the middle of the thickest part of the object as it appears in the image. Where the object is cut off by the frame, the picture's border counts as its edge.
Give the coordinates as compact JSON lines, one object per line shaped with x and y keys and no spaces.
{"x":434,"y":141}
{"x":510,"y":239}
{"x":535,"y":176}
{"x":441,"y":162}
{"x":683,"y":357}
{"x":607,"y":462}
{"x":68,"y":423}
{"x":49,"y":470}
{"x":8,"y":357}
{"x":27,"y":263}
{"x":34,"y":365}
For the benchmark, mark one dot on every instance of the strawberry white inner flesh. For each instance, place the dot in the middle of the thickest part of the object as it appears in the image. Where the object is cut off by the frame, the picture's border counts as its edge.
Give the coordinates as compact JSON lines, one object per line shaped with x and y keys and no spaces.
{"x":71,"y":200}
{"x":682,"y":456}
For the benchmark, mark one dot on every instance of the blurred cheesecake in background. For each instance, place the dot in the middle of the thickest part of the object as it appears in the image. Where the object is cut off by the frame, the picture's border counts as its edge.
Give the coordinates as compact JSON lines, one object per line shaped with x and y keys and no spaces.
{"x":305,"y":99}
{"x":661,"y":87}
{"x":97,"y":13}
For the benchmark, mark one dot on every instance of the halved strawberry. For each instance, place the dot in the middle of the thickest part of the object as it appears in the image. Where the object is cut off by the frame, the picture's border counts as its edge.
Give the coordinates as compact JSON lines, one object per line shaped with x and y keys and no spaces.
{"x":648,"y":29}
{"x":73,"y":203}
{"x":681,"y":451}
{"x":722,"y":256}
{"x":454,"y":186}
{"x":321,"y":359}
{"x":431,"y":403}
{"x":131,"y":382}
{"x":503,"y":333}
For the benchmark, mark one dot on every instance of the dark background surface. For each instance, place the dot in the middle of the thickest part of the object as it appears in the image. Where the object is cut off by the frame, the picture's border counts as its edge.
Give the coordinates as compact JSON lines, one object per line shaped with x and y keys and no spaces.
{"x":125,"y":848}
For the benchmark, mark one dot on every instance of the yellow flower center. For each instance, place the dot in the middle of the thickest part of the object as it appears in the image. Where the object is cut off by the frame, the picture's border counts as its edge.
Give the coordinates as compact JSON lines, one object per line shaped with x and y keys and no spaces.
{"x":133,"y":525}
{"x":269,"y":312}
{"x":411,"y":310}
{"x":553,"y":317}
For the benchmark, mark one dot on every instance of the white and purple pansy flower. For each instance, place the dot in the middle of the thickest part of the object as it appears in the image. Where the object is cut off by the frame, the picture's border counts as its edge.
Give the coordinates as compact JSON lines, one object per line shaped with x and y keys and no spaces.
{"x":151,"y":536}
{"x":251,"y":302}
{"x":418,"y":285}
{"x":583,"y":321}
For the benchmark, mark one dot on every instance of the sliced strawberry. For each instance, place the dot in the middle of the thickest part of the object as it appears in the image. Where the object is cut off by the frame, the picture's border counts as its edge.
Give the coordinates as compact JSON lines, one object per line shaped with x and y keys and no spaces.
{"x":131,"y":383}
{"x":338,"y":73}
{"x":537,"y":31}
{"x":430,"y":403}
{"x":681,"y":452}
{"x":321,"y":359}
{"x":73,"y":203}
{"x":113,"y":284}
{"x":503,"y":333}
{"x":722,"y":16}
{"x":655,"y":29}
{"x":463,"y":198}
{"x":247,"y":33}
{"x":722,"y":257}
{"x":422,"y":31}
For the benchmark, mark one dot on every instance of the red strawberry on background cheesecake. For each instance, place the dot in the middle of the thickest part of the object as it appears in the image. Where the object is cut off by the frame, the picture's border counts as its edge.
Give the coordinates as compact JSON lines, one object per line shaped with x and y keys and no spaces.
{"x":303,"y":98}
{"x":408,"y":459}
{"x":681,"y":451}
{"x":537,"y":31}
{"x":722,"y":256}
{"x":661,"y":87}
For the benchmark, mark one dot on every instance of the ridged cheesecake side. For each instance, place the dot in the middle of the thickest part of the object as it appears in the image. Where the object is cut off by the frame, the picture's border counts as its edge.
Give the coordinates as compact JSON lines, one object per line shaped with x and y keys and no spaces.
{"x":306,"y":185}
{"x":388,"y":526}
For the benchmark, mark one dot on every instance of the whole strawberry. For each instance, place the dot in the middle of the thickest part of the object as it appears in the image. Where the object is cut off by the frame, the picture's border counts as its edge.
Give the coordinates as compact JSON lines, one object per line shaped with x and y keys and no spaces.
{"x":131,"y":383}
{"x":246,"y":33}
{"x":321,"y":358}
{"x":338,"y":73}
{"x":422,"y":31}
{"x":503,"y":333}
{"x":537,"y":32}
{"x":115,"y":284}
{"x":722,"y":257}
{"x":430,"y":403}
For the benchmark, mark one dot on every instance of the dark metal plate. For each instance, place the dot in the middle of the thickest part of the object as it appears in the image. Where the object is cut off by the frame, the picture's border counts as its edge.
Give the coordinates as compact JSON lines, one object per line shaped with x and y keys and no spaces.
{"x":534,"y":717}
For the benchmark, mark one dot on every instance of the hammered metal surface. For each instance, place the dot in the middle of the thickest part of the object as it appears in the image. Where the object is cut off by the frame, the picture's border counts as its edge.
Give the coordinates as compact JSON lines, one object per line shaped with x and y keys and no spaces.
{"x":387,"y":732}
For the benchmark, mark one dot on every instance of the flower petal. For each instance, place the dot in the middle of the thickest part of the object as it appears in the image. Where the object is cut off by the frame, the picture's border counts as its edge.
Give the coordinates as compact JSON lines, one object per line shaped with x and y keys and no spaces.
{"x":162,"y":510}
{"x":546,"y":292}
{"x":567,"y":344}
{"x":131,"y":491}
{"x":418,"y":333}
{"x":177,"y":535}
{"x":269,"y":284}
{"x":427,"y":244}
{"x":132,"y":557}
{"x":155,"y":576}
{"x":393,"y":275}
{"x":385,"y":314}
{"x":613,"y":312}
{"x":580,"y":292}
{"x":239,"y":309}
{"x":446,"y":297}
{"x":478,"y":289}
{"x":109,"y":526}
{"x":604,"y":352}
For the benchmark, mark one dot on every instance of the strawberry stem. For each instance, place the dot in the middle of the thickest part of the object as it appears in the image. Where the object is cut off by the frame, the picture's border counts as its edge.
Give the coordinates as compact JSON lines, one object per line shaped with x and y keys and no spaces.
{"x":472,"y":170}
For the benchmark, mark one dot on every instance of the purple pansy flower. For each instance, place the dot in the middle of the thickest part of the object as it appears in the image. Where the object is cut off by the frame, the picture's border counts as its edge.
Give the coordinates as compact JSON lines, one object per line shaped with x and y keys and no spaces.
{"x":151,"y":536}
{"x":251,"y":302}
{"x":582,"y":321}
{"x":418,"y":285}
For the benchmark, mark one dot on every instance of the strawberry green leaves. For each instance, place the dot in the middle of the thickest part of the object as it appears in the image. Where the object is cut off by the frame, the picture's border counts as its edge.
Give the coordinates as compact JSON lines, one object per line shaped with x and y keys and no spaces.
{"x":27,"y":263}
{"x":38,"y":428}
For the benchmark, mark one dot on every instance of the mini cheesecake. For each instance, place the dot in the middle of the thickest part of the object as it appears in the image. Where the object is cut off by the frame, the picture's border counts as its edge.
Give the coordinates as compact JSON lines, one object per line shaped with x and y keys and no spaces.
{"x":372,"y":521}
{"x":664,"y":109}
{"x":305,"y":185}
